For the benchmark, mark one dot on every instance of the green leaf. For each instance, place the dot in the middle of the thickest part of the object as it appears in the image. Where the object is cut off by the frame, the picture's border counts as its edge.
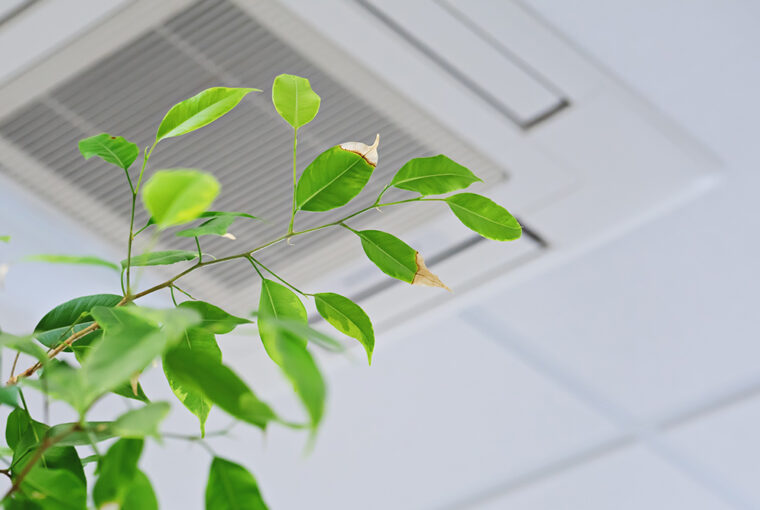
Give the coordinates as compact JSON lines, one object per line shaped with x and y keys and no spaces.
{"x":57,"y":324}
{"x":433,"y":176}
{"x":232,"y":487}
{"x":25,"y":344}
{"x":213,"y":227}
{"x":117,"y":471}
{"x":141,"y":422}
{"x":180,"y":195}
{"x":161,"y":258}
{"x":485,"y":217}
{"x":85,"y":260}
{"x":9,"y":395}
{"x":218,"y":384}
{"x":54,"y":489}
{"x":132,"y":338}
{"x":348,"y":318}
{"x":125,"y":390}
{"x":297,"y":328}
{"x":5,"y":239}
{"x":334,"y":178}
{"x":392,"y":255}
{"x":96,"y":431}
{"x":200,"y":110}
{"x":203,"y":343}
{"x":294,"y":100}
{"x":214,"y":319}
{"x":140,"y":495}
{"x":289,"y":350}
{"x":25,"y":435}
{"x":112,"y":149}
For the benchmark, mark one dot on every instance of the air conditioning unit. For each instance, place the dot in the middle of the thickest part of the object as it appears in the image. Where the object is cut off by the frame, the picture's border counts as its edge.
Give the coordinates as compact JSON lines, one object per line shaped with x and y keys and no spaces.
{"x":569,"y":150}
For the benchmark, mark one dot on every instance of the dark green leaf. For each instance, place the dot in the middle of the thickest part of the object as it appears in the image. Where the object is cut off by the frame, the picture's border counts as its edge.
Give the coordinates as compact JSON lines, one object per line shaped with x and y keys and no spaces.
{"x":125,"y":390}
{"x":289,"y":350}
{"x":54,"y":489}
{"x":85,"y":260}
{"x":218,"y":384}
{"x":485,"y":217}
{"x":214,"y":319}
{"x":132,"y":338}
{"x":392,"y":255}
{"x":200,"y":110}
{"x":433,"y":176}
{"x":203,"y":343}
{"x":176,"y":196}
{"x":25,"y":435}
{"x":294,"y":100}
{"x":348,"y":318}
{"x":141,"y":422}
{"x":112,"y":149}
{"x":57,"y":324}
{"x":232,"y":487}
{"x":117,"y":471}
{"x":333,"y":178}
{"x":161,"y":258}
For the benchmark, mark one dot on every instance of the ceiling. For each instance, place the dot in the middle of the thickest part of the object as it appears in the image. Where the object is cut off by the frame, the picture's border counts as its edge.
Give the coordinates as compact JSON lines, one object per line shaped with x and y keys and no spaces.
{"x":624,"y":378}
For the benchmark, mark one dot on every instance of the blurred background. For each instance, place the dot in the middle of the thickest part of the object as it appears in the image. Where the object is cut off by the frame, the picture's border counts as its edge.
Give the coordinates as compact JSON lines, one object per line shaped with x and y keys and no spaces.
{"x":607,"y":359}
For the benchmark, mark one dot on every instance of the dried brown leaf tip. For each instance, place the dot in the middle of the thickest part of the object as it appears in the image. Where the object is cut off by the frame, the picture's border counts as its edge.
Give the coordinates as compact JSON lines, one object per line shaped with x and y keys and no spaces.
{"x":424,"y":276}
{"x":133,"y":382}
{"x":368,"y":152}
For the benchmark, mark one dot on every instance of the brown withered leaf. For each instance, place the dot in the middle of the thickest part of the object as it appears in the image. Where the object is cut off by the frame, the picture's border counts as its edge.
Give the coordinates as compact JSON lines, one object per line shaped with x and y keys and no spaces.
{"x":424,"y":276}
{"x":368,"y":152}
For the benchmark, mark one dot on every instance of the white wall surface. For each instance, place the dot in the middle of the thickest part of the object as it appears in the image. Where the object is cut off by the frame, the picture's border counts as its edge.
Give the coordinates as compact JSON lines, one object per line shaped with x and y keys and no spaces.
{"x":625,"y":379}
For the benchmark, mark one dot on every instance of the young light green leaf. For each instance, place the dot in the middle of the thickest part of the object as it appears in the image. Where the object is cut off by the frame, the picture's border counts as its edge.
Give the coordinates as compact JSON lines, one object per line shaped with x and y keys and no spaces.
{"x":218,"y":384}
{"x":200,"y":110}
{"x":289,"y":350}
{"x":117,"y":471}
{"x":86,"y":260}
{"x":232,"y":487}
{"x":336,"y":176}
{"x":213,"y":319}
{"x":294,"y":100}
{"x":485,"y":216}
{"x":141,"y":422}
{"x":180,"y":195}
{"x":112,"y":149}
{"x":433,"y":176}
{"x":70,"y":317}
{"x":161,"y":258}
{"x":397,"y":259}
{"x":5,"y":239}
{"x":348,"y":318}
{"x":203,"y":343}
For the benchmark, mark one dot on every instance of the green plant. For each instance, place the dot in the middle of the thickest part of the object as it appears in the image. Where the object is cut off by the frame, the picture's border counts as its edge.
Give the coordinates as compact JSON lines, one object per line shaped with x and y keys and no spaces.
{"x":108,"y":340}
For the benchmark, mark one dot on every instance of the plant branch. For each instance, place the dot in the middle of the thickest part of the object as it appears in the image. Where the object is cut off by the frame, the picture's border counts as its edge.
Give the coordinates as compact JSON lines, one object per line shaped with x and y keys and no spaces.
{"x":295,"y":178}
{"x":170,"y":282}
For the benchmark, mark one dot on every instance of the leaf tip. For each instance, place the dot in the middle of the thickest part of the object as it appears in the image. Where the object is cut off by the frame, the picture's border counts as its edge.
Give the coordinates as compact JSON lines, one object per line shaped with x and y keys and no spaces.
{"x":424,"y":276}
{"x":367,"y":152}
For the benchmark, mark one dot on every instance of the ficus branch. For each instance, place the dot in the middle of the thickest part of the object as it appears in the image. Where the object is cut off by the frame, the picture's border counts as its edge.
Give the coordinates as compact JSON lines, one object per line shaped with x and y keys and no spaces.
{"x":170,"y":282}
